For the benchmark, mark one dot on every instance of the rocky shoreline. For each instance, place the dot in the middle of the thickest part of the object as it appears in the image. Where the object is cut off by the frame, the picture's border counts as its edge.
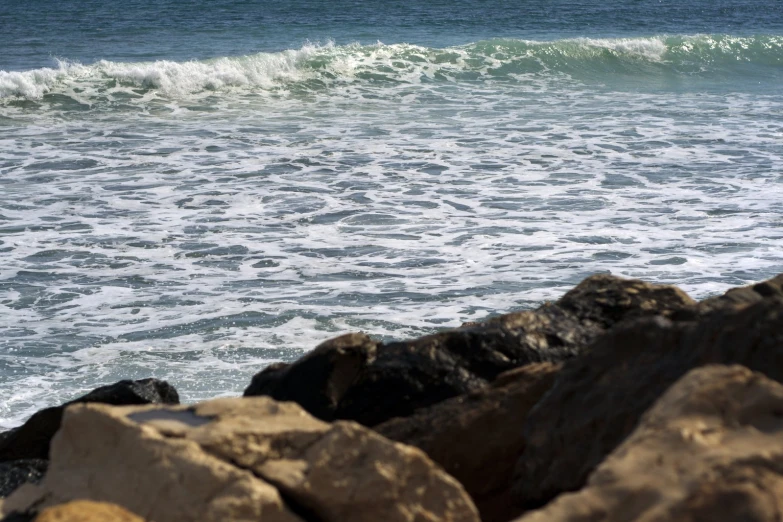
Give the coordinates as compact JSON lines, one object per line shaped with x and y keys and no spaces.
{"x":621,"y":401}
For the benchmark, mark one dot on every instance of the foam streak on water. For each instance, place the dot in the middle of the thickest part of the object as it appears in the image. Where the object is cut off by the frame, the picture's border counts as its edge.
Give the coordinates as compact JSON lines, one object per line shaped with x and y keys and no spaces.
{"x":197,"y":220}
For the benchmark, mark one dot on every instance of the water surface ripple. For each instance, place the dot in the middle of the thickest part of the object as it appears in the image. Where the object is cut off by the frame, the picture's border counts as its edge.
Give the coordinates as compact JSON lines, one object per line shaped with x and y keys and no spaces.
{"x":197,"y":220}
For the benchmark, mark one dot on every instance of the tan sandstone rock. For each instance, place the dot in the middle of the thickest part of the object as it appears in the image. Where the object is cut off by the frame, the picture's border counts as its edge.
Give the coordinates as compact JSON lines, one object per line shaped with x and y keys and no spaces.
{"x":87,"y":511}
{"x":477,"y":437}
{"x":598,"y":398}
{"x":710,"y":449}
{"x":227,"y":459}
{"x":101,"y":454}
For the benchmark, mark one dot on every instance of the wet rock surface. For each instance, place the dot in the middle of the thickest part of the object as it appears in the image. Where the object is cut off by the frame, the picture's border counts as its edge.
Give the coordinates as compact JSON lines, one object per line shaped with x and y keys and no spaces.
{"x":31,"y":440}
{"x":607,"y":300}
{"x":709,"y":449}
{"x":353,"y":377}
{"x":19,"y":517}
{"x":14,"y":473}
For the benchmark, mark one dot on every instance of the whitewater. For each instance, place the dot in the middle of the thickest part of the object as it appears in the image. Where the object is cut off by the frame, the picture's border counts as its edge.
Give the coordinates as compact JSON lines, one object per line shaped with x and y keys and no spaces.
{"x":315,"y":67}
{"x":198,"y":219}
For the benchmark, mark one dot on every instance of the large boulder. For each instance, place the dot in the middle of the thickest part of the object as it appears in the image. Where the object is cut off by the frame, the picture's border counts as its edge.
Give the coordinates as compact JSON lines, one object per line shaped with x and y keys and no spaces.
{"x":241,"y":460}
{"x":477,"y":437}
{"x":31,"y":440}
{"x":710,"y":449}
{"x":598,"y":398}
{"x":353,"y":377}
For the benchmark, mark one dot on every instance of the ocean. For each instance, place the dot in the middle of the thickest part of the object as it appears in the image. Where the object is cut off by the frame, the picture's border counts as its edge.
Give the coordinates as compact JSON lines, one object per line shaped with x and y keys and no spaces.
{"x":194,"y":189}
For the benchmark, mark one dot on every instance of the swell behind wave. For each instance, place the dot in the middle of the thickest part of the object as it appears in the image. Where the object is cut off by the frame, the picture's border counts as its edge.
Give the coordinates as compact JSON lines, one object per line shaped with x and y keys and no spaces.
{"x":314,"y":67}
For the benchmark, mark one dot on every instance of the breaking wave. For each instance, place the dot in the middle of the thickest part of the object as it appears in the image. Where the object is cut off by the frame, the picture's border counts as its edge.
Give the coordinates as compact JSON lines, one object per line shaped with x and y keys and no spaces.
{"x":315,"y":67}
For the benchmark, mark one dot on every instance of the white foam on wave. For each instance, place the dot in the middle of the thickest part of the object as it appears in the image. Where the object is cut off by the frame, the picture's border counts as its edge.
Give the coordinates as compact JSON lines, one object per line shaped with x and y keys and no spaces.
{"x":263,"y":70}
{"x":199,"y":248}
{"x":329,"y":64}
{"x":332,"y":65}
{"x":652,"y":48}
{"x":34,"y":84}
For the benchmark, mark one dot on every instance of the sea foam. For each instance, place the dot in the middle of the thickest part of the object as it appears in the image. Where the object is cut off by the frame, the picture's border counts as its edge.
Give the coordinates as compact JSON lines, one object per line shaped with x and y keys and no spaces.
{"x":194,"y":221}
{"x":316,"y":66}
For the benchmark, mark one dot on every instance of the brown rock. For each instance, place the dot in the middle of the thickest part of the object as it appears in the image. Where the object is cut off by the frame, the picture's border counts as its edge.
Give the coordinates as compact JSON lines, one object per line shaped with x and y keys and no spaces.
{"x":87,"y":511}
{"x":477,"y":438}
{"x":744,"y":295}
{"x":100,"y":454}
{"x":227,"y":459}
{"x":710,"y":449}
{"x":353,"y":377}
{"x":606,"y":300}
{"x":597,"y":399}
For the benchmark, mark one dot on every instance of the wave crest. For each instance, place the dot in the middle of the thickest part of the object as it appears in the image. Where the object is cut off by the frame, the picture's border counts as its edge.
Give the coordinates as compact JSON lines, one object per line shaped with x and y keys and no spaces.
{"x":315,"y":66}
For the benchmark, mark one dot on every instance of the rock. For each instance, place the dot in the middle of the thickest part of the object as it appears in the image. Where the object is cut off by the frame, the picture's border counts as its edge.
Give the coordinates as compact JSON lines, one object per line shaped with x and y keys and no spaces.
{"x":744,"y":295}
{"x":87,"y":511}
{"x":477,"y":438}
{"x":353,"y":377}
{"x":710,"y":449}
{"x":31,"y":440}
{"x":18,"y":517}
{"x":606,"y":300}
{"x":241,"y":460}
{"x":597,"y":399}
{"x":319,"y":380}
{"x":14,"y":473}
{"x":102,"y":455}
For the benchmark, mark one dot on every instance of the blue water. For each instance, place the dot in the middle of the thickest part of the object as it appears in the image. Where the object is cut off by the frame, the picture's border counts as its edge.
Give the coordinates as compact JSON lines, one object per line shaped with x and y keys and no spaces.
{"x":34,"y":31}
{"x":192,"y":190}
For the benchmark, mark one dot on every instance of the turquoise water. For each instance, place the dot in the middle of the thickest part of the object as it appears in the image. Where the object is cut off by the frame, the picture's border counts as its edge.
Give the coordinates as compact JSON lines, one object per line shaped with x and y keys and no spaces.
{"x":193,"y":190}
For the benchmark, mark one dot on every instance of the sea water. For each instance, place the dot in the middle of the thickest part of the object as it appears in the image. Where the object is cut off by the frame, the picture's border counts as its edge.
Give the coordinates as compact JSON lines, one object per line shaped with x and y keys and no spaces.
{"x":194,"y":189}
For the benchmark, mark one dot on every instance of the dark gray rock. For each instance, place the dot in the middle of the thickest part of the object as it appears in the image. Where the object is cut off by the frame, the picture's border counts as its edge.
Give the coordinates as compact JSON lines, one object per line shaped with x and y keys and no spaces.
{"x":14,"y":473}
{"x":319,"y":380}
{"x":19,"y":517}
{"x":353,"y":377}
{"x":31,"y":440}
{"x":606,"y":300}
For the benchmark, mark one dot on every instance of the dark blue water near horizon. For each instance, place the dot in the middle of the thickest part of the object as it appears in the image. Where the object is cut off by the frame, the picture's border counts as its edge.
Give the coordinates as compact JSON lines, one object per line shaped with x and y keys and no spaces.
{"x":34,"y":32}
